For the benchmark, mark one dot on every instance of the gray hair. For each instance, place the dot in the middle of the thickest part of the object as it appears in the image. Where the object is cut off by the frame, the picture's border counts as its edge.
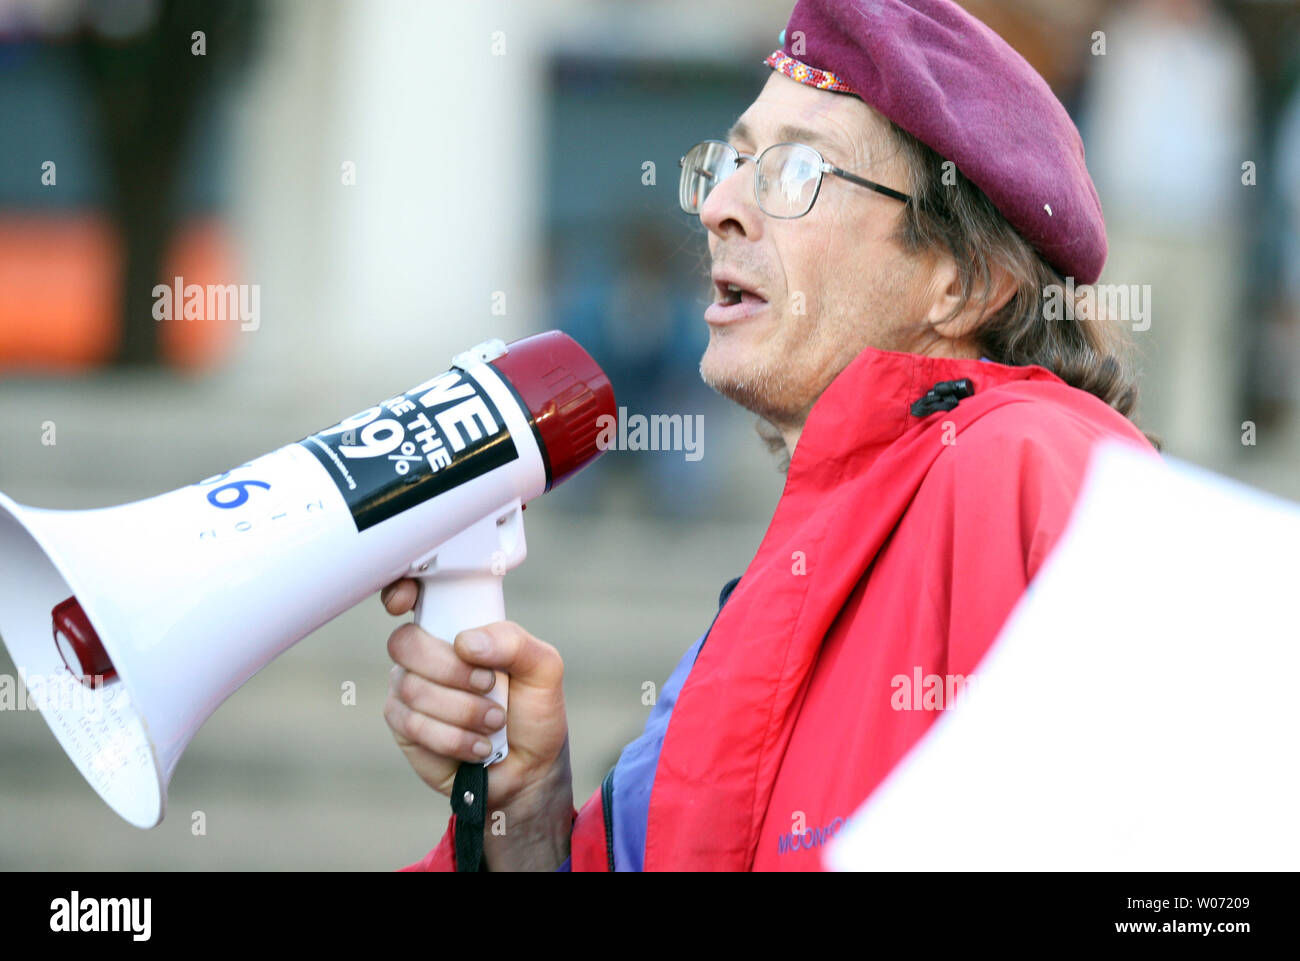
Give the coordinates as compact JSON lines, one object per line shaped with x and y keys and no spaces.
{"x":1091,"y":353}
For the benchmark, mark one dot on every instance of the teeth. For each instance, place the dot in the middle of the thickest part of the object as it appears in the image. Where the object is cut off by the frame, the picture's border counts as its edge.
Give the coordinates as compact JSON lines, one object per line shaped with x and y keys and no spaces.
{"x":733,"y":288}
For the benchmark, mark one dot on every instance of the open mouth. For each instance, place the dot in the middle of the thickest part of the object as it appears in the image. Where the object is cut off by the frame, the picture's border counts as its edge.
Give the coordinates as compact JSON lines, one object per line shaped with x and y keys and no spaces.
{"x":731,"y":294}
{"x":733,"y":302}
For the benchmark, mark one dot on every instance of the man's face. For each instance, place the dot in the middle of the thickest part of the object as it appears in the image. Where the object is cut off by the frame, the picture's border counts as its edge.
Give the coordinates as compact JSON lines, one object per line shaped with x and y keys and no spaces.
{"x":819,"y":288}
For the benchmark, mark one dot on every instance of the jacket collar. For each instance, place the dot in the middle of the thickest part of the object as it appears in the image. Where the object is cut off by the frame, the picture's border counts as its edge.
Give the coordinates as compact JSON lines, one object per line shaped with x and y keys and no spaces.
{"x":868,"y":405}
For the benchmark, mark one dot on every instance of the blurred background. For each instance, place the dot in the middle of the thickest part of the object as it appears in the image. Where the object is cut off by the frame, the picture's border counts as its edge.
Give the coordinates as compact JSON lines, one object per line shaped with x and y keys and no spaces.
{"x":396,"y":180}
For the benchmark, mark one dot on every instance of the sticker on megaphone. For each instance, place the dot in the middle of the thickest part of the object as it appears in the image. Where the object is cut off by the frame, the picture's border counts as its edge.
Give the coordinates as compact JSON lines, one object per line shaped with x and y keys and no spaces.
{"x":414,"y":446}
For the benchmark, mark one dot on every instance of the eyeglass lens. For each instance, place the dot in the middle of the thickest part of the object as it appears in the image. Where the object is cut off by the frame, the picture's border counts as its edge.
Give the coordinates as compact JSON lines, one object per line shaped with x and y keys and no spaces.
{"x":785,"y":182}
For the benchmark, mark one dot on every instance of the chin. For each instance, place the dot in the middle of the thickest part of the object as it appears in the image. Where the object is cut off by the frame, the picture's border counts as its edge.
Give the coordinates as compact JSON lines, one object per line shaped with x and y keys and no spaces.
{"x":743,"y":373}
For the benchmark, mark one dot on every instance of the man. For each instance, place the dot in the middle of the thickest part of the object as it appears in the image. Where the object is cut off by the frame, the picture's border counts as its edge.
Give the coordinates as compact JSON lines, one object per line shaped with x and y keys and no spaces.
{"x":885,"y":310}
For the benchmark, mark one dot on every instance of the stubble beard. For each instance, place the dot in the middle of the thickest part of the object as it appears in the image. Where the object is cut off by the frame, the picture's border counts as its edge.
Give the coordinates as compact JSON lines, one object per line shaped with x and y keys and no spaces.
{"x":764,"y":389}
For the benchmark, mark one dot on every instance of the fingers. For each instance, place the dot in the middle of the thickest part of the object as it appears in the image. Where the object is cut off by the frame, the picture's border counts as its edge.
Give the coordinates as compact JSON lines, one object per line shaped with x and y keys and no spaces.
{"x":508,"y":647}
{"x":457,"y":708}
{"x":503,"y":645}
{"x":416,"y":650}
{"x":400,"y":596}
{"x":438,"y":737}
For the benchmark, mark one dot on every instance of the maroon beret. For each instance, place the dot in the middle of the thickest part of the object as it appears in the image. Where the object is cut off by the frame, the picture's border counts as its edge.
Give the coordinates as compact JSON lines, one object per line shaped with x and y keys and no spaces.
{"x":955,"y":85}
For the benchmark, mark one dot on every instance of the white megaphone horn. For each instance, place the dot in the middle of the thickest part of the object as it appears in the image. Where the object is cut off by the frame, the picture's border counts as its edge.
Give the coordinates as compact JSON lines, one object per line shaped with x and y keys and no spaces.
{"x":139,"y":620}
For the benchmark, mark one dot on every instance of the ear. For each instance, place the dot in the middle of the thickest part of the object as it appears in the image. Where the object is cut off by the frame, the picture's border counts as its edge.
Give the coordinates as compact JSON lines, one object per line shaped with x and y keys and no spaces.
{"x":946,"y":285}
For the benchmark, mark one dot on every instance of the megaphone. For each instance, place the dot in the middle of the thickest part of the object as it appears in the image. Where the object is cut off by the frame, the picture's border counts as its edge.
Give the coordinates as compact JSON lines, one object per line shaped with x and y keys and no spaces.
{"x":141,"y":619}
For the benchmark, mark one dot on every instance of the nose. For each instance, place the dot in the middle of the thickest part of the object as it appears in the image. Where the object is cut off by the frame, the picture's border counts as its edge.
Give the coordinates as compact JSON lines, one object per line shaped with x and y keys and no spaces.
{"x":730,"y":210}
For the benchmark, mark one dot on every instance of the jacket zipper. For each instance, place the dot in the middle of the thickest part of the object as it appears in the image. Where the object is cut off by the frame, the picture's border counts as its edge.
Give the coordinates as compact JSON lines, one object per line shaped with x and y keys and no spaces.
{"x":607,"y":805}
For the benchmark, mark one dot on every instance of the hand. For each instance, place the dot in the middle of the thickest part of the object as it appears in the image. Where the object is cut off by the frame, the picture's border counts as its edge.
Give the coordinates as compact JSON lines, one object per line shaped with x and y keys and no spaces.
{"x":438,"y":713}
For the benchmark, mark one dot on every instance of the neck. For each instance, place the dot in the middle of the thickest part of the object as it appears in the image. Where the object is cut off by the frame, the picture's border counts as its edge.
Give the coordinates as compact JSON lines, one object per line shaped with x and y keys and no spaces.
{"x":791,"y":437}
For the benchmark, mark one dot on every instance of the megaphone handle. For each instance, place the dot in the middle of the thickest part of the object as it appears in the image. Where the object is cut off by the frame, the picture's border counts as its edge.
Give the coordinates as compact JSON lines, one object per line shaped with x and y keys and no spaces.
{"x":449,"y":604}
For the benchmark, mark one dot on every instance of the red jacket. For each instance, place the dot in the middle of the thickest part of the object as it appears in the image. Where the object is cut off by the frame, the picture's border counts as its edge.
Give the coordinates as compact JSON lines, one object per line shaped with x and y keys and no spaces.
{"x":900,"y":544}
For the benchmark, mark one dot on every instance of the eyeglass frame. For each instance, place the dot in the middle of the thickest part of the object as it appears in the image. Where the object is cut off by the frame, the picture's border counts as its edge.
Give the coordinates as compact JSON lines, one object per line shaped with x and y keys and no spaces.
{"x":824,"y":167}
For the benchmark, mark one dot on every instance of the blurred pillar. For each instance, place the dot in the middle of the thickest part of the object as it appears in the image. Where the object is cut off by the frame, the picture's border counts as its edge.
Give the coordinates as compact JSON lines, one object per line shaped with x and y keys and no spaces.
{"x":146,"y":83}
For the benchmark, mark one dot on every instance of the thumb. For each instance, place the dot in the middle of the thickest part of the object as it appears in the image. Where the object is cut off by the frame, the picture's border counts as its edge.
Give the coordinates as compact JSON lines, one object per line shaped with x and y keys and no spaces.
{"x":505,"y":646}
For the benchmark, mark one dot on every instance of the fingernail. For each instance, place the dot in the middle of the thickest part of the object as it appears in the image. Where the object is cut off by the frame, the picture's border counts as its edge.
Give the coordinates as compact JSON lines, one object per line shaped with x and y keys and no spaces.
{"x":475,"y":642}
{"x":482,"y":678}
{"x":494,"y":718}
{"x":482,"y":748}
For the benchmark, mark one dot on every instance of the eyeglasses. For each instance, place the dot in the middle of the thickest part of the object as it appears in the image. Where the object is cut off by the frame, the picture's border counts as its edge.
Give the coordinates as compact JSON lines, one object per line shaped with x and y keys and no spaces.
{"x":787,"y":177}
